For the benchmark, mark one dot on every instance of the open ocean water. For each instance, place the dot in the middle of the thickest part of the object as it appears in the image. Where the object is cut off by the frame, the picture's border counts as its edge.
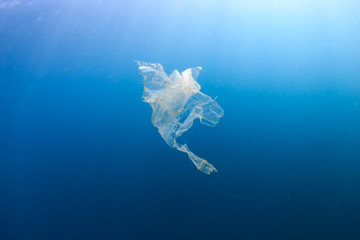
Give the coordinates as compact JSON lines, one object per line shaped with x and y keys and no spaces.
{"x":80,"y":158}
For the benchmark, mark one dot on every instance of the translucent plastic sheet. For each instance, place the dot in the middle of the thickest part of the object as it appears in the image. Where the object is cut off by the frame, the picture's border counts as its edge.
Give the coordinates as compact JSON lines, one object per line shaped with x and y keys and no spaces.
{"x":176,"y":102}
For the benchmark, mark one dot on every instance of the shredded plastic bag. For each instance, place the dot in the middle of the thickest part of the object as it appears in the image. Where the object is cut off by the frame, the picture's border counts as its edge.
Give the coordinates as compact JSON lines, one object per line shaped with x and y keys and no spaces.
{"x":176,"y":102}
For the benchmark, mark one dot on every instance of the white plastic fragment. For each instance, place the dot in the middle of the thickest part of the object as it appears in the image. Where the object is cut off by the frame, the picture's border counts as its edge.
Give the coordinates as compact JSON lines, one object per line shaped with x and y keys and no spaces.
{"x":176,"y":102}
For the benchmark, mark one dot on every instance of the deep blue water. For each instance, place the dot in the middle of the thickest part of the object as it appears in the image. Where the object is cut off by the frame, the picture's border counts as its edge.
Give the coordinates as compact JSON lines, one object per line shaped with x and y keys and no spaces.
{"x":80,"y":159}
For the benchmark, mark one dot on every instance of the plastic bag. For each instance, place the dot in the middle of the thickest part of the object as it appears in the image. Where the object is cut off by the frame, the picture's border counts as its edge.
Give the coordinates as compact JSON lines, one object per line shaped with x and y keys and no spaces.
{"x":176,"y":102}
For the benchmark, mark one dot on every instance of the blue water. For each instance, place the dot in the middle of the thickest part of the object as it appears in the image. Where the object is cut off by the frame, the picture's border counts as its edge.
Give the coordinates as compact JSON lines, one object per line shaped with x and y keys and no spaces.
{"x":80,"y":159}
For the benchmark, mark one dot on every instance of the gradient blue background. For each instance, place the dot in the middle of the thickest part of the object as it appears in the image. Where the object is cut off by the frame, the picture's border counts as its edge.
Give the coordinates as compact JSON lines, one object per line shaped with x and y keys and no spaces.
{"x":79,"y":158}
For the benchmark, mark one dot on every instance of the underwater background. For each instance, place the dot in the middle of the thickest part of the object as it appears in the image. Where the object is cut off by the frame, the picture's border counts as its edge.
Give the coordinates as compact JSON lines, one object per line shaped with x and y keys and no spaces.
{"x":80,"y":159}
